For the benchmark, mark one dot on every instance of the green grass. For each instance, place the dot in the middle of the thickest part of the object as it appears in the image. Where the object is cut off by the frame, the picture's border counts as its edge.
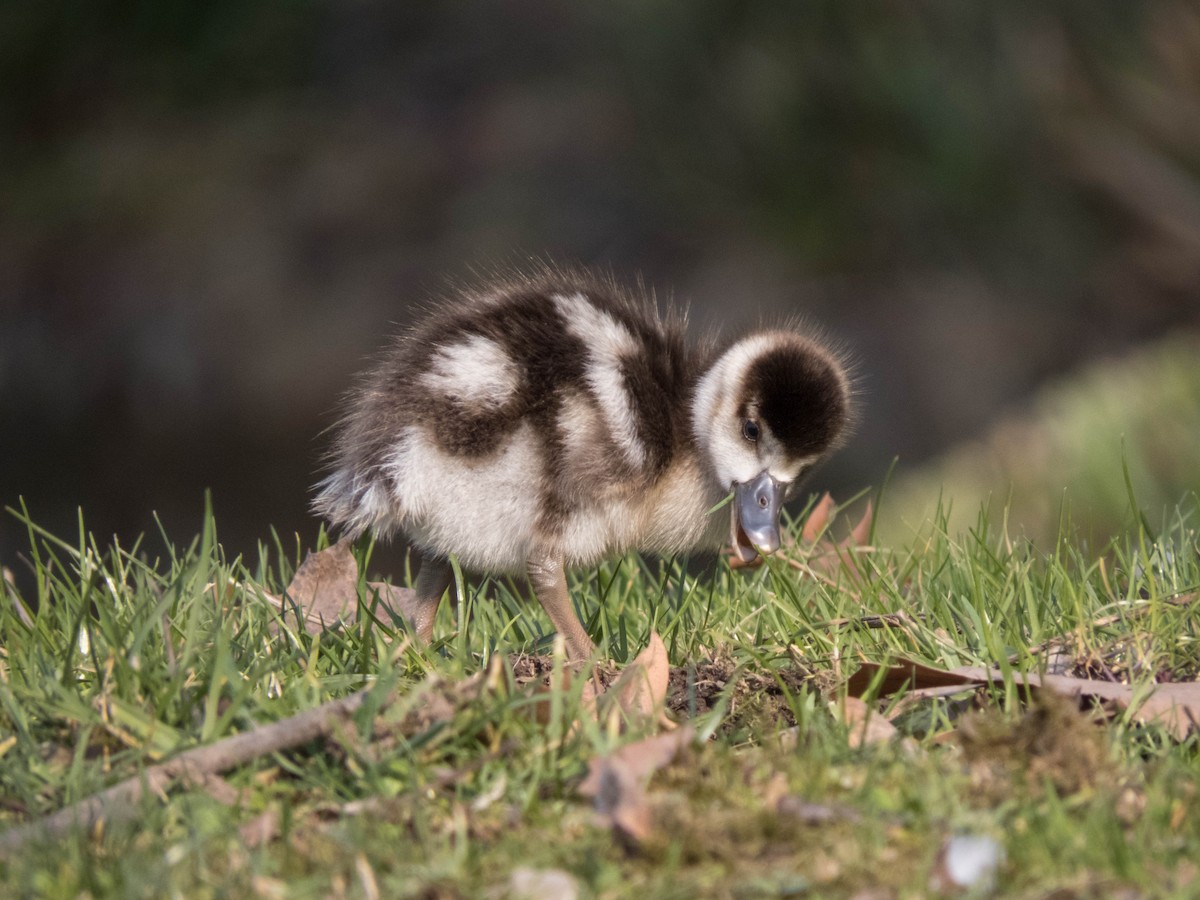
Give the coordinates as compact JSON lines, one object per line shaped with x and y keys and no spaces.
{"x":120,"y":659}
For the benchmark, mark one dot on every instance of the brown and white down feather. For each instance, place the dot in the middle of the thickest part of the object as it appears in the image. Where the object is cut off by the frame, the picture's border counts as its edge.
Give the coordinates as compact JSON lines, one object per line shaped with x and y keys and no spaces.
{"x":561,"y":417}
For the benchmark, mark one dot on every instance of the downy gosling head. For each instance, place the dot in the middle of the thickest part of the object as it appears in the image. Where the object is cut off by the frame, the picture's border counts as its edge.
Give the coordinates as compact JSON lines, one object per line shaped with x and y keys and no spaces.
{"x":548,"y":421}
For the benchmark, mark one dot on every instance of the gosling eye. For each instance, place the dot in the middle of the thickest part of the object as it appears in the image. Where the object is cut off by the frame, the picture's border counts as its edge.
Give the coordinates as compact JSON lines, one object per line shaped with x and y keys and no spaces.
{"x":750,"y":430}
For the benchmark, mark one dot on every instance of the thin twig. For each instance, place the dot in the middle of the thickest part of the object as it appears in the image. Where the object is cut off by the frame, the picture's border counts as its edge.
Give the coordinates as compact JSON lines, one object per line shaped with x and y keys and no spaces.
{"x":1184,"y":598}
{"x":120,"y":802}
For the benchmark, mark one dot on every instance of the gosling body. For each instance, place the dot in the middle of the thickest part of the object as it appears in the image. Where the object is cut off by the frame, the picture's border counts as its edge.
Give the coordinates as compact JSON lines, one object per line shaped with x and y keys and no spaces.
{"x":548,"y":422}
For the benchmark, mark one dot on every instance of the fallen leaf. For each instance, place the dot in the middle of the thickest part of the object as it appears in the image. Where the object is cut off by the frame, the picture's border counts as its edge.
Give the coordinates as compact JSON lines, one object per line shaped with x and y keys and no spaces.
{"x":589,"y":697}
{"x":641,"y":690}
{"x":617,"y":782}
{"x":324,"y":590}
{"x":860,"y":534}
{"x":645,"y":757}
{"x":775,"y":789}
{"x":398,"y":599}
{"x":866,"y":726}
{"x":914,"y":675}
{"x":1175,"y":706}
{"x":818,"y":520}
{"x":619,"y":799}
{"x":827,"y":557}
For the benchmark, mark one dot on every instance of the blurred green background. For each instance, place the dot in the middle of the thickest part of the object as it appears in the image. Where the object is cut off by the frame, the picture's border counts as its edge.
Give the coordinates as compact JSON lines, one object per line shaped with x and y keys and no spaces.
{"x":210,"y":214}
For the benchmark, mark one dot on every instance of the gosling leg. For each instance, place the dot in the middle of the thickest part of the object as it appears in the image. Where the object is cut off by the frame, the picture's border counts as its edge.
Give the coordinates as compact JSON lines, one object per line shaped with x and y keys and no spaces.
{"x":420,"y":607}
{"x":549,"y":581}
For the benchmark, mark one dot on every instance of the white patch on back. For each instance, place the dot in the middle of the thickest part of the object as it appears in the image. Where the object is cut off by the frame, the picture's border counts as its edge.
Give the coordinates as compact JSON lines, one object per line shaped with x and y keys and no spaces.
{"x":476,"y":372}
{"x":608,"y":343}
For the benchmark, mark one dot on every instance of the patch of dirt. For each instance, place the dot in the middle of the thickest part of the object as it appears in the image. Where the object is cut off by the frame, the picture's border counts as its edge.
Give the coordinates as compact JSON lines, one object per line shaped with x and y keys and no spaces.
{"x":1052,"y":744}
{"x":756,"y":700}
{"x":528,"y":668}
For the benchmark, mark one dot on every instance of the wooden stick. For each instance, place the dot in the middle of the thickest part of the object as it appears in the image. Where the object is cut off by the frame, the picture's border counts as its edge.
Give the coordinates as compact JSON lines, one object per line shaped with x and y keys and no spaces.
{"x":119,"y":802}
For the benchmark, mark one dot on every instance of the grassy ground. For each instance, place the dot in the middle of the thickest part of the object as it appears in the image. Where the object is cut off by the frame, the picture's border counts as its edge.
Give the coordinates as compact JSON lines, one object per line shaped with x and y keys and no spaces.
{"x":117,"y":661}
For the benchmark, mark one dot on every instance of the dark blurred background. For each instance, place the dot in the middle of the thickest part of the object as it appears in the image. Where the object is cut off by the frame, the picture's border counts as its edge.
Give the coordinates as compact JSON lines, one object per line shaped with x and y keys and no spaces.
{"x":211,"y":214}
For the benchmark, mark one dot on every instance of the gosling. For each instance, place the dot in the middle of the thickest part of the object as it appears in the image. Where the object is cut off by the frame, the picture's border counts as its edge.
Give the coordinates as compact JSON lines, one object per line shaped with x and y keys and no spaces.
{"x":549,"y":421}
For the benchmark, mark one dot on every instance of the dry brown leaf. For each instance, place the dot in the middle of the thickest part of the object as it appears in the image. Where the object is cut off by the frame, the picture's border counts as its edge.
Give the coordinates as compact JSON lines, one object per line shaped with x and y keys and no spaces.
{"x":617,"y":782}
{"x":589,"y":698}
{"x":818,"y":520}
{"x":641,"y":690}
{"x":861,"y":532}
{"x":827,"y":557}
{"x":916,"y":676}
{"x":325,"y":587}
{"x":324,"y":590}
{"x":736,"y":562}
{"x":398,"y":599}
{"x":1175,"y":706}
{"x":866,"y":726}
{"x":619,"y":797}
{"x":645,"y":757}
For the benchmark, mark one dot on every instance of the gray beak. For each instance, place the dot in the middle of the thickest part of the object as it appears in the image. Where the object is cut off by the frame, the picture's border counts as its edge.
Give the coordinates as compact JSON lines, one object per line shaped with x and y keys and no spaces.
{"x":756,"y":506}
